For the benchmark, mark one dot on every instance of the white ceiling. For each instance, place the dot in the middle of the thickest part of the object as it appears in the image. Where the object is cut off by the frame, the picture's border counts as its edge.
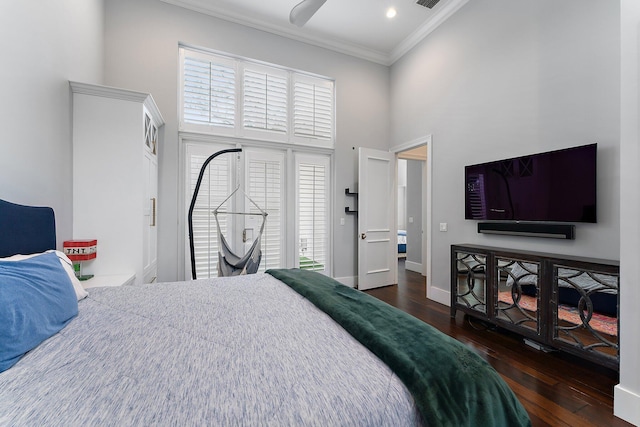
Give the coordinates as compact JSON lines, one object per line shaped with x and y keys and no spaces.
{"x":355,"y":27}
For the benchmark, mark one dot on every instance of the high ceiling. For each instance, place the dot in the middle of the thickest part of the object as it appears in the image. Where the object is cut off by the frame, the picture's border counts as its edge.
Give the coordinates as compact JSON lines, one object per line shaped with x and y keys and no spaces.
{"x":355,"y":27}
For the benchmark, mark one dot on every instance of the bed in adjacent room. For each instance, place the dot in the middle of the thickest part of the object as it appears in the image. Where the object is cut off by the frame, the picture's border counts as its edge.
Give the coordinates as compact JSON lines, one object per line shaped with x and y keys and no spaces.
{"x":402,"y":243}
{"x":291,"y":347}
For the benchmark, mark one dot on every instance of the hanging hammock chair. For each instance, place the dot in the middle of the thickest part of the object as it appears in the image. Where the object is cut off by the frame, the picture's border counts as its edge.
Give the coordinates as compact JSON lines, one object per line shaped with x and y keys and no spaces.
{"x":229,"y":263}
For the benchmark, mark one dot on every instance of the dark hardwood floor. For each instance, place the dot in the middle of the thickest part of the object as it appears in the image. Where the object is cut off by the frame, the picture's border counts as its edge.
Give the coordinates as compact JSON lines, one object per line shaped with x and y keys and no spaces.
{"x":556,"y":389}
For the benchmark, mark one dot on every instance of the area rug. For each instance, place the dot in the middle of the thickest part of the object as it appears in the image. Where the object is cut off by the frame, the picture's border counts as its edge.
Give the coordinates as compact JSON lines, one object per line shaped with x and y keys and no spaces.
{"x":599,"y":322}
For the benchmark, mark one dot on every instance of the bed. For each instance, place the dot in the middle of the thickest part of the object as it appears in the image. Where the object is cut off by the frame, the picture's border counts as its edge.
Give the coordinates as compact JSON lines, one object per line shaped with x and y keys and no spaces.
{"x":247,"y":350}
{"x":402,"y":242}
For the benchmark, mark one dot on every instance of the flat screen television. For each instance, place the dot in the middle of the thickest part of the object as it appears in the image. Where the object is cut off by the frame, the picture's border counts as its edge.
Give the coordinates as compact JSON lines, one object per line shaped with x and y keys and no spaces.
{"x":556,"y":186}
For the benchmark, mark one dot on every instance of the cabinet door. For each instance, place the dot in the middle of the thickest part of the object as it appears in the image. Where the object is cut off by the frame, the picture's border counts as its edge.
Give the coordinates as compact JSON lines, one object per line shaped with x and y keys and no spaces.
{"x":471,"y":281}
{"x":585,"y":311}
{"x":517,"y":288}
{"x":150,"y":206}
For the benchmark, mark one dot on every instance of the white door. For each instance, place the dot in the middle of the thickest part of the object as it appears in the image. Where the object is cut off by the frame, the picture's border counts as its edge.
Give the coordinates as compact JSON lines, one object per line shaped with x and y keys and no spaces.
{"x":264,"y":183}
{"x":376,"y":204}
{"x":149,"y":211}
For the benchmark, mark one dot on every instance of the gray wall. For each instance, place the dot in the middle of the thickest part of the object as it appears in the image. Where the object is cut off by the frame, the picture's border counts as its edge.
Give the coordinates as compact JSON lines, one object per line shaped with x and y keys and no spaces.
{"x":503,"y":78}
{"x":627,"y":393}
{"x":141,"y":53}
{"x":44,"y":44}
{"x":414,"y":209}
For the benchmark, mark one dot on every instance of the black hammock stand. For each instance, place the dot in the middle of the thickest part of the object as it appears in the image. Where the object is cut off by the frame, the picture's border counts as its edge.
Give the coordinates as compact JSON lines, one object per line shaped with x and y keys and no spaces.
{"x":233,"y":264}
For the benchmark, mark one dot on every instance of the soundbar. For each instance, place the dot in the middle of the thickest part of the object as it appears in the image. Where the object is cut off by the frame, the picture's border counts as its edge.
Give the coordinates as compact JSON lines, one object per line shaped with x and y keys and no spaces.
{"x":555,"y":231}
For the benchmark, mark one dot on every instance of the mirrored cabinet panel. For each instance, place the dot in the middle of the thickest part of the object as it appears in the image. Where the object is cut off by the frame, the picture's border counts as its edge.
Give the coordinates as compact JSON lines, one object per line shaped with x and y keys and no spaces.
{"x":556,"y":302}
{"x":585,"y":311}
{"x":518,"y":293}
{"x":471,"y":281}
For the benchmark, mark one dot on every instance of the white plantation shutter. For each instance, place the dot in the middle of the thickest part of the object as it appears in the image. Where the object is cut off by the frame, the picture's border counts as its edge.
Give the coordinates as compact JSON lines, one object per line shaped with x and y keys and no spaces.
{"x":242,"y":98}
{"x":215,"y":187}
{"x":265,"y":179}
{"x":263,"y":173}
{"x":313,"y":108}
{"x":265,"y":99}
{"x":313,"y":212}
{"x":208,"y":90}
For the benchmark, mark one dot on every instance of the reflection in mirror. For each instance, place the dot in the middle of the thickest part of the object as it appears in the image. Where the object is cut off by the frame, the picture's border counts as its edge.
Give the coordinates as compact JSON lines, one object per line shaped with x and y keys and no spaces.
{"x":471,"y":280}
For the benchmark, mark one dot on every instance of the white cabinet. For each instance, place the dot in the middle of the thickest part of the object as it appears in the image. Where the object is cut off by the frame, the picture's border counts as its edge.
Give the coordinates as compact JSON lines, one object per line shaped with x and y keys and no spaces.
{"x":115,"y":178}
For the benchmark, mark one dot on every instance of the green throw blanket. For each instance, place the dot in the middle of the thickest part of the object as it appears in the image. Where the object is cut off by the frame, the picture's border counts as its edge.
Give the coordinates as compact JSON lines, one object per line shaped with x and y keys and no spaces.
{"x":451,"y":384}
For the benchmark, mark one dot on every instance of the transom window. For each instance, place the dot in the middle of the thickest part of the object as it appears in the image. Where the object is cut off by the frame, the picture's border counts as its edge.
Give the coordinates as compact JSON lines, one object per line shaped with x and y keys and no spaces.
{"x":224,"y":95}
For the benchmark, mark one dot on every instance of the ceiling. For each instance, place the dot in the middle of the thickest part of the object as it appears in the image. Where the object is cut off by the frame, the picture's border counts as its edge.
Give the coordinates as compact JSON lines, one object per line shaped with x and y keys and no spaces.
{"x":356,"y":27}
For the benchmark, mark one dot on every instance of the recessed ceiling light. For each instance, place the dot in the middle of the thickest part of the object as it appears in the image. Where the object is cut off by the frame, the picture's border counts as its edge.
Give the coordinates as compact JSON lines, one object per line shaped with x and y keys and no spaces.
{"x":391,"y":12}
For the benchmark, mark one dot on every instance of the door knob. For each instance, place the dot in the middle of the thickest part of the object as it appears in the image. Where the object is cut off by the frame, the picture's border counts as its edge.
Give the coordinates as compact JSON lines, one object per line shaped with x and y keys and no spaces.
{"x":363,"y":236}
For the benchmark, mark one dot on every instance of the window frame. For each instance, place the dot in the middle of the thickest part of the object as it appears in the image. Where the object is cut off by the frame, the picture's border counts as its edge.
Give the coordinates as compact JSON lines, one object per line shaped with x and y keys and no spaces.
{"x":326,"y":162}
{"x":241,"y":65}
{"x":289,"y":254}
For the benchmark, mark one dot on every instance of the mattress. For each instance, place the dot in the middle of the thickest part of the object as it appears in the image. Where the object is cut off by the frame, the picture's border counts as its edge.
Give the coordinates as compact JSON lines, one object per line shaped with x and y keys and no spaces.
{"x":229,"y":351}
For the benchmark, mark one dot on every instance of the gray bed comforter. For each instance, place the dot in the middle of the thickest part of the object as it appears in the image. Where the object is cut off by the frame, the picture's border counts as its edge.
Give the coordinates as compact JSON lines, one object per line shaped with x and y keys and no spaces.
{"x":244,"y":350}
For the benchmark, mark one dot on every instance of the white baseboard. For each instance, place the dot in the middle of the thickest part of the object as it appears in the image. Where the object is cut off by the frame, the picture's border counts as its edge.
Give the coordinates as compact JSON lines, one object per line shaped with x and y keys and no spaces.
{"x":413,"y":266}
{"x":351,"y":282}
{"x":626,"y":405}
{"x":439,"y":295}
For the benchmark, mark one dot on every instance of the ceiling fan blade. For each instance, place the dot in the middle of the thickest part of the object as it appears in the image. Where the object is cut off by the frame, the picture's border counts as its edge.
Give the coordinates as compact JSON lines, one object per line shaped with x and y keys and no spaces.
{"x":304,"y":10}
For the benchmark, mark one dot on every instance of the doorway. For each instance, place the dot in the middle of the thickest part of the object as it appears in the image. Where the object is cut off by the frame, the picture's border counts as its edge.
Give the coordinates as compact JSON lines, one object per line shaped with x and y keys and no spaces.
{"x":411,"y":164}
{"x":414,"y":199}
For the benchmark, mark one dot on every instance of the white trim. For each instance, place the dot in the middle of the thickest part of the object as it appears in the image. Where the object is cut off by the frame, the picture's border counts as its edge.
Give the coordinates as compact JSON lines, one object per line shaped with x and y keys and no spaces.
{"x":351,"y":282}
{"x":123,"y":94}
{"x":626,"y":405}
{"x":408,"y":145}
{"x":249,"y":142}
{"x":433,"y":293}
{"x":428,"y":218}
{"x":439,"y":295}
{"x":414,"y":266}
{"x":352,"y":49}
{"x":429,"y":26}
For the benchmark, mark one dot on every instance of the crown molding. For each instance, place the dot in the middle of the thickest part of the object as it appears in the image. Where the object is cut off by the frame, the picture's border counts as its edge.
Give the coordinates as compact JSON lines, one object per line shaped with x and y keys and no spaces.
{"x":351,"y":49}
{"x":122,"y":94}
{"x":423,"y":31}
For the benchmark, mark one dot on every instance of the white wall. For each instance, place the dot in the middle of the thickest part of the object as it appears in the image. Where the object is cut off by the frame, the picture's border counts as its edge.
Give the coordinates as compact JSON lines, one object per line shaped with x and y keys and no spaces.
{"x":44,"y":44}
{"x":141,"y":53}
{"x":501,"y":79}
{"x":402,"y":194}
{"x":414,"y":210}
{"x":627,"y":393}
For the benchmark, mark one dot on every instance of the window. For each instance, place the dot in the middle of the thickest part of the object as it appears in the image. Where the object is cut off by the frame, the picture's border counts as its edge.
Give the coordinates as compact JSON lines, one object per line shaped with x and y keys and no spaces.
{"x":270,"y":112}
{"x":312,"y":183}
{"x":261,"y":173}
{"x":265,"y":185}
{"x":223,"y":95}
{"x":208,"y":92}
{"x":265,"y":99}
{"x":215,"y":187}
{"x":312,"y":108}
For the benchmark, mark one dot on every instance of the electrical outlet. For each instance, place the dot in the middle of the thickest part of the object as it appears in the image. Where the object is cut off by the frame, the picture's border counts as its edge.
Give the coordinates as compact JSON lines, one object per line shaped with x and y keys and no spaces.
{"x":443,"y":226}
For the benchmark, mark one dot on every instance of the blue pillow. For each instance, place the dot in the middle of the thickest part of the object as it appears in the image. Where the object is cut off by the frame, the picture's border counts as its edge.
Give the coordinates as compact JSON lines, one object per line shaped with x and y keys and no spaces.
{"x":37,"y":300}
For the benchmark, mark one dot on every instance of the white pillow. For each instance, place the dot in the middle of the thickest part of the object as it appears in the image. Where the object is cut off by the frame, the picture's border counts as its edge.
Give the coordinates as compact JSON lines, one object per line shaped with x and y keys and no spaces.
{"x":68,"y":267}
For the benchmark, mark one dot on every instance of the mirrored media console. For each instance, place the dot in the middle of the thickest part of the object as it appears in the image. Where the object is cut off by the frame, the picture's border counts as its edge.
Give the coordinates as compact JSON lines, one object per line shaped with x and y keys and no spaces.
{"x":554,"y":301}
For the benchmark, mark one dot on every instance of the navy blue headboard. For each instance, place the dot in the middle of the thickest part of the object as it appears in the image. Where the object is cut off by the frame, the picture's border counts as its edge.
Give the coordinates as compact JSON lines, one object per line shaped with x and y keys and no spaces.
{"x":26,"y":229}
